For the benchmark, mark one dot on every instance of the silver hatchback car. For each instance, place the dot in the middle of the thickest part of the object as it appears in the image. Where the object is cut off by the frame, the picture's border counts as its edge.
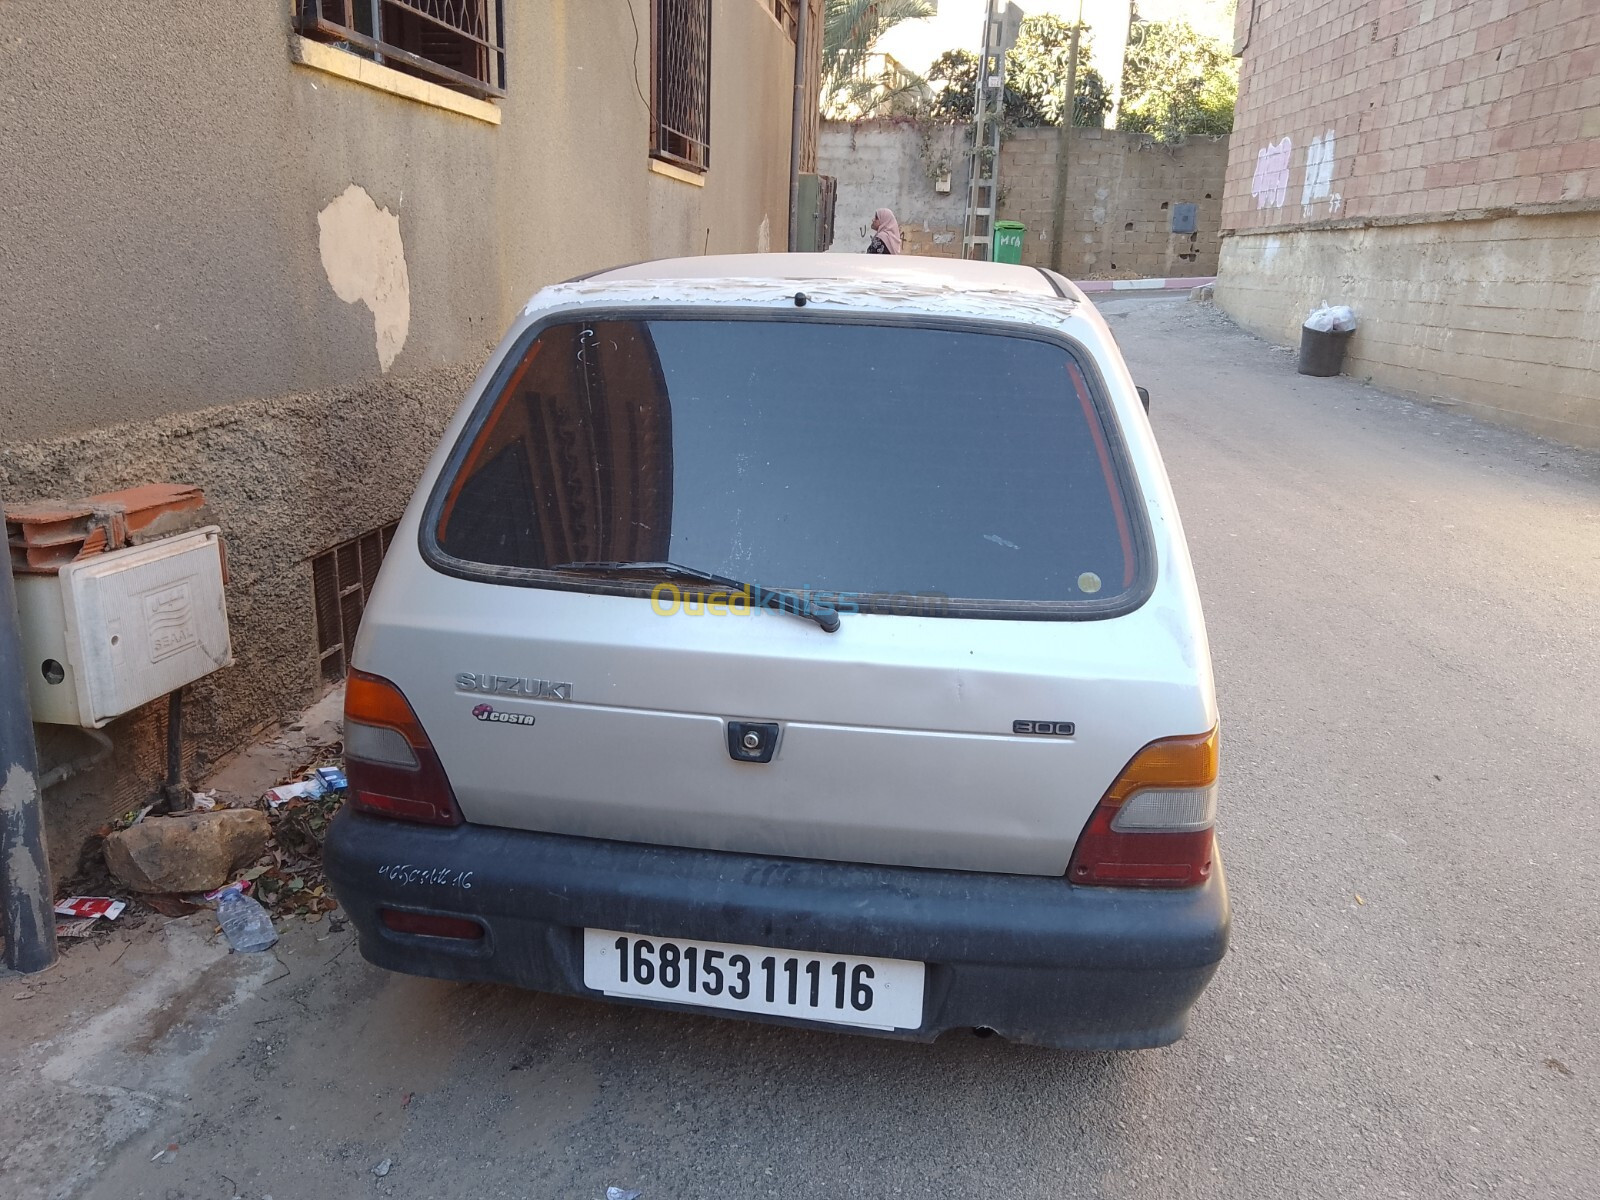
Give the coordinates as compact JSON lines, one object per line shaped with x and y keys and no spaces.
{"x":805,"y":638}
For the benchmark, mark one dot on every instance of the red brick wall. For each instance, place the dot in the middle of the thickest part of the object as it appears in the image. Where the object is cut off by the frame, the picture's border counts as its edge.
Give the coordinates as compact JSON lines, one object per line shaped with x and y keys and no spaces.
{"x":1434,"y":107}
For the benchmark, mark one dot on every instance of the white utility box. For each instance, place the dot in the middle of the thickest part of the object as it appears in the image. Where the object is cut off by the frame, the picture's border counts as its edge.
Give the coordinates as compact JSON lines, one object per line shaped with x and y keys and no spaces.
{"x":115,"y":631}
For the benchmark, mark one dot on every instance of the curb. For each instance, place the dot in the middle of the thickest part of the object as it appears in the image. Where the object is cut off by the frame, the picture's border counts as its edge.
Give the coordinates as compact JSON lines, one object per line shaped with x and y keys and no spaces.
{"x":1090,"y":286}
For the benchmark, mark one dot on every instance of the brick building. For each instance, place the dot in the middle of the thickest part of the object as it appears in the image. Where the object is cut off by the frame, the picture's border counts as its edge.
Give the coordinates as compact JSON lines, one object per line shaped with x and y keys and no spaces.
{"x":1435,"y":164}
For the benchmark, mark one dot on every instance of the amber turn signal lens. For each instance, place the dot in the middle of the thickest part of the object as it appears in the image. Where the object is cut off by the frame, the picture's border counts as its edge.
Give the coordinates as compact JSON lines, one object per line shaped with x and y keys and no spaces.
{"x":1153,"y":827}
{"x":389,"y":761}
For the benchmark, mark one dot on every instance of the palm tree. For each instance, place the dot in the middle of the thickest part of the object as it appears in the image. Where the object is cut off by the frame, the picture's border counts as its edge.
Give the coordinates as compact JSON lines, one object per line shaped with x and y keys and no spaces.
{"x":850,"y":30}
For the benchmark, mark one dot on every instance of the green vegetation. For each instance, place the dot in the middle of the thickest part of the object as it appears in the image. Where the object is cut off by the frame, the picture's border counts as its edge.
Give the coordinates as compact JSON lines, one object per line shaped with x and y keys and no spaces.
{"x":1177,"y":81}
{"x":1036,"y":79}
{"x":850,"y":31}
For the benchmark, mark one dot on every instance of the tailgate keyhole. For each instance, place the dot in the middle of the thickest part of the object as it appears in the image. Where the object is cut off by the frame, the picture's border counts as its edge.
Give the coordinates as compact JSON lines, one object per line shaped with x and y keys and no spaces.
{"x":752,"y":741}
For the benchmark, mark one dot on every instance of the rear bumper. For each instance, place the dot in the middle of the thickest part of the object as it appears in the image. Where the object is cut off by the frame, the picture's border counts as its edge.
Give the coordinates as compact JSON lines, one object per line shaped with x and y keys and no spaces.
{"x":1036,"y":959}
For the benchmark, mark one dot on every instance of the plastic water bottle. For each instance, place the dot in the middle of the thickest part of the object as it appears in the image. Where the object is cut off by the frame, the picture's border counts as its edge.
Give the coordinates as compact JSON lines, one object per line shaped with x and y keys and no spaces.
{"x":246,"y":924}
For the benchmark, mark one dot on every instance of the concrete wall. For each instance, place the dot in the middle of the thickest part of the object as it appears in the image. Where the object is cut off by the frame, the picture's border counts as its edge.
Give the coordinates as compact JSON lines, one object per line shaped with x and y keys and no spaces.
{"x":163,"y":179}
{"x":220,"y":267}
{"x":1120,"y":187}
{"x":1497,"y":315}
{"x":887,"y":164}
{"x":1436,"y":165}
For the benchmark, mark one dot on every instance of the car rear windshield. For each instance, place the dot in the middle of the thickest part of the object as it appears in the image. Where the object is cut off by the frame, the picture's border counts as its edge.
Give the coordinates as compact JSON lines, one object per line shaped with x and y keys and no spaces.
{"x":869,"y":460}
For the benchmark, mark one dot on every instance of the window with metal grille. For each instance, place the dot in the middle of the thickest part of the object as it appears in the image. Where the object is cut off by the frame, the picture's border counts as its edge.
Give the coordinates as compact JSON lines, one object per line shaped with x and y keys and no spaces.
{"x":786,"y":13}
{"x":341,"y":580}
{"x":680,"y":82}
{"x":458,"y":43}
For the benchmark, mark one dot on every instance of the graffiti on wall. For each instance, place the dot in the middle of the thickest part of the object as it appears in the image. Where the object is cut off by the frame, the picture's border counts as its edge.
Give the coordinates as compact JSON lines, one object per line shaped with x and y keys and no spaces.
{"x":1270,"y":186}
{"x":1318,"y":186}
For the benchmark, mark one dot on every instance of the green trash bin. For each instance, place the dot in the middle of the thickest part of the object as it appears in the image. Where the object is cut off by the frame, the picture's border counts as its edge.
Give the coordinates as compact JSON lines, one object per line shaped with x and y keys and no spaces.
{"x":1007,"y":243}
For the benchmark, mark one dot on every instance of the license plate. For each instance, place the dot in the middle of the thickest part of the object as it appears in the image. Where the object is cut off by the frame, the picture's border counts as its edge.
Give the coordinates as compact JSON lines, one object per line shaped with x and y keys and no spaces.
{"x":871,"y":993}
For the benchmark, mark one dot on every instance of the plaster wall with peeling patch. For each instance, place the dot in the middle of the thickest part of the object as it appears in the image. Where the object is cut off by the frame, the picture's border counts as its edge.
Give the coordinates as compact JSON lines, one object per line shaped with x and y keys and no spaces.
{"x":223,"y":267}
{"x":1436,"y":166}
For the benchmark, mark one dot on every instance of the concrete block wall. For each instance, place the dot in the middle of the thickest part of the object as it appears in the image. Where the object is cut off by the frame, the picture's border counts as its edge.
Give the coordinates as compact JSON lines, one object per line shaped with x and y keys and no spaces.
{"x":1120,"y":189}
{"x":1120,"y":192}
{"x":1497,"y":315}
{"x":1404,"y":108}
{"x":1435,"y":164}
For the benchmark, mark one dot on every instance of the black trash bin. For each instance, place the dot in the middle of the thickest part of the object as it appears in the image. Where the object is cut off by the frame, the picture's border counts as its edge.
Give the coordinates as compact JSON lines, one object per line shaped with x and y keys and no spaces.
{"x":1322,"y":354}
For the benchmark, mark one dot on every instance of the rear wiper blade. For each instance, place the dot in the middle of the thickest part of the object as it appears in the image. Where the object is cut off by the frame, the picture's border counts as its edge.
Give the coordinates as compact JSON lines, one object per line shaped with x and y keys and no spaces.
{"x":827,"y":618}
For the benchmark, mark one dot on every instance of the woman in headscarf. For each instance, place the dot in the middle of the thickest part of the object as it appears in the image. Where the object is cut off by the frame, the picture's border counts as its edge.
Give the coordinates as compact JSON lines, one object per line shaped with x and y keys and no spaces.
{"x":885,"y":233}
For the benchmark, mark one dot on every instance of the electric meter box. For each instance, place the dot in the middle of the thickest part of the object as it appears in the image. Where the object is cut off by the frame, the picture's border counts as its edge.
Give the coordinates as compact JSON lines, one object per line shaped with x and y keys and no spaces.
{"x":114,"y":631}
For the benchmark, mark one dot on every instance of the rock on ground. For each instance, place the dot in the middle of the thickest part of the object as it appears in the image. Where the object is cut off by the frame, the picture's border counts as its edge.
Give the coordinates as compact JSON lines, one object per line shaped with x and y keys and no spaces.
{"x":191,"y":852}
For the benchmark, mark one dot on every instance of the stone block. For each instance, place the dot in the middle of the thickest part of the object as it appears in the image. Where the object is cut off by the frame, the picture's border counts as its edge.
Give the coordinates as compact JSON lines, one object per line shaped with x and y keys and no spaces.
{"x":190,"y":852}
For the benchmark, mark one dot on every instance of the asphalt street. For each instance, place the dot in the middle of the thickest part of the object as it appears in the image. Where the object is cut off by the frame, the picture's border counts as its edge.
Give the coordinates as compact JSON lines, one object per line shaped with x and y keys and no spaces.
{"x":1404,"y":609}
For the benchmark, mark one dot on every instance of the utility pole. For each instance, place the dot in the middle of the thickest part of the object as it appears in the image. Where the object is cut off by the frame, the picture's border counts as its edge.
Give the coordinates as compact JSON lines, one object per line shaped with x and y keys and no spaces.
{"x":798,"y":117}
{"x":1058,"y":223}
{"x":26,"y":919}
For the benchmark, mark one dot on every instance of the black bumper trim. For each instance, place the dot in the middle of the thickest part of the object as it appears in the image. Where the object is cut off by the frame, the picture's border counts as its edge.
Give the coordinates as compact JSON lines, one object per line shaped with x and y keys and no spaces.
{"x":1036,"y":959}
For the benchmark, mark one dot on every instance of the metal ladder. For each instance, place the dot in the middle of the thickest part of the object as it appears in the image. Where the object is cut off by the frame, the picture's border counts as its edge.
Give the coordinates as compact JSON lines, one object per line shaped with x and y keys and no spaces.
{"x":1001,"y":22}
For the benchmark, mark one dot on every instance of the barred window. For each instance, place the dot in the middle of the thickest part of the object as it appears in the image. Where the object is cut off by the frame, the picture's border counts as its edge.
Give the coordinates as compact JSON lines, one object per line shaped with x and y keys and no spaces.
{"x":458,"y":43}
{"x":341,"y":580}
{"x":786,"y":13}
{"x":680,"y":81}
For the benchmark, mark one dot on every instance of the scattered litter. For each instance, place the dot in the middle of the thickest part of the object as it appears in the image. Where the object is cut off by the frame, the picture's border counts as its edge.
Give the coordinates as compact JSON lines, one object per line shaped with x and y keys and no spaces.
{"x":84,"y":913}
{"x":383,"y":1168}
{"x":1555,"y":1064}
{"x":1000,"y":541}
{"x":204,"y":801}
{"x":242,"y":884}
{"x":91,"y":906}
{"x":1335,"y":319}
{"x":319,"y":783}
{"x":405,"y":1101}
{"x":616,"y":1193}
{"x":285,"y":792}
{"x":171,"y":906}
{"x":245,"y":923}
{"x":168,"y":1155}
{"x":1359,"y":899}
{"x":141,"y":815}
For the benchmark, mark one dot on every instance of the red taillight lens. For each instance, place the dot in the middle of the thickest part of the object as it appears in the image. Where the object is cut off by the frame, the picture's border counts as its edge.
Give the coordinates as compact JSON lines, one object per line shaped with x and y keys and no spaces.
{"x":430,"y":925}
{"x":389,"y":762}
{"x":1154,"y":827}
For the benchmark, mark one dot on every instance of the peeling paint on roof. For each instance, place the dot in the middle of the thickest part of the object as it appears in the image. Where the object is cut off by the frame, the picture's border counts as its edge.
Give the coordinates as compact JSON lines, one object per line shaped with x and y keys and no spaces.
{"x":824,"y":295}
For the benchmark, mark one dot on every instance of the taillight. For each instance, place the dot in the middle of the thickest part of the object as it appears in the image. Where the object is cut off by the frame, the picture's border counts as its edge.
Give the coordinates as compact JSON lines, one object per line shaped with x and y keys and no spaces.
{"x":389,"y":762}
{"x":1153,"y":828}
{"x":429,"y":925}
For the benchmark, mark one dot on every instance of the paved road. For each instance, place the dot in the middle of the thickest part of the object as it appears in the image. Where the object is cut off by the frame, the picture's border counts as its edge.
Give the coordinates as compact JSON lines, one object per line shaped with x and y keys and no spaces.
{"x":1405,"y":614}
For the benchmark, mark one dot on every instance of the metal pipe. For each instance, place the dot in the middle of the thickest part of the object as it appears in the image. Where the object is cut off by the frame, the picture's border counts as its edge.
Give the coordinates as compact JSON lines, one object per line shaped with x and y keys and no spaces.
{"x":77,"y":766}
{"x":25,"y":887}
{"x":175,"y":794}
{"x":801,"y":33}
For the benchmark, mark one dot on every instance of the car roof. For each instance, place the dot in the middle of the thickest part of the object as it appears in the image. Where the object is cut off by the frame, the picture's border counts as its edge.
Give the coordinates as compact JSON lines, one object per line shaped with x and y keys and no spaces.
{"x":863,"y":268}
